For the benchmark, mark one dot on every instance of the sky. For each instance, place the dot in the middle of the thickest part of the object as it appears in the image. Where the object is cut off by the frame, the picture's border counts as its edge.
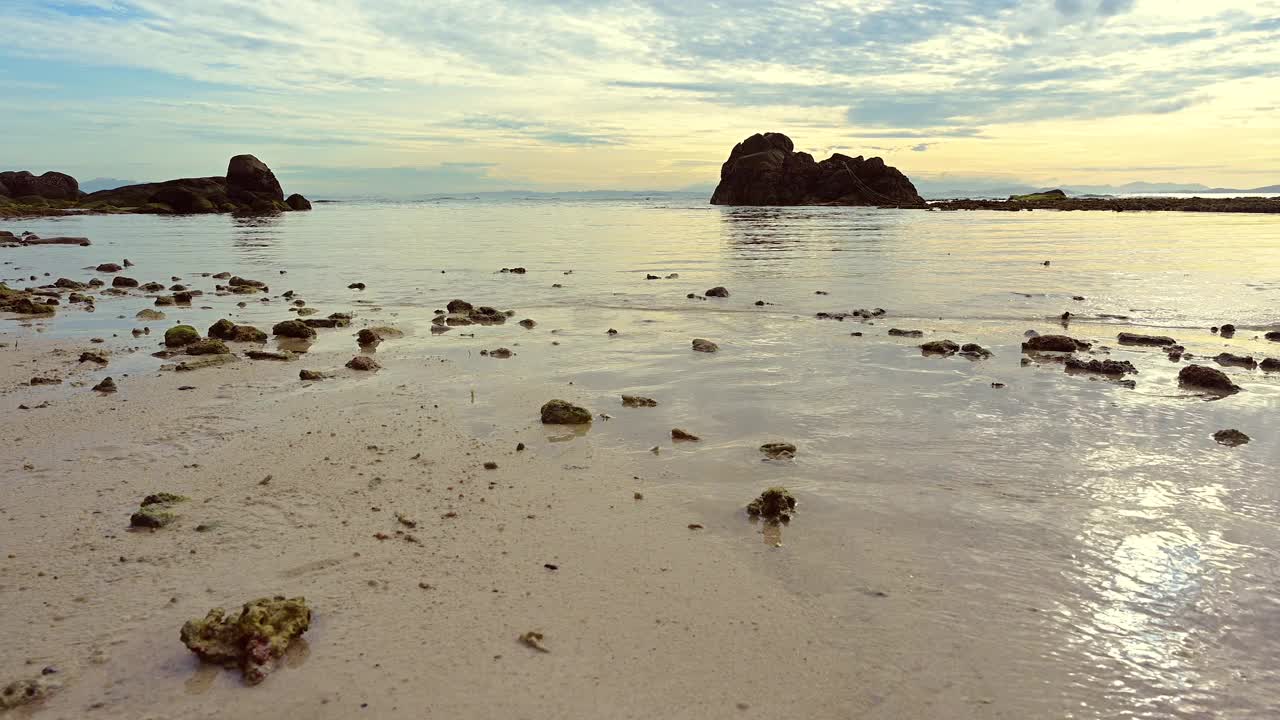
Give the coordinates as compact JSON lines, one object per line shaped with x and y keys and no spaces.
{"x":347,"y":97}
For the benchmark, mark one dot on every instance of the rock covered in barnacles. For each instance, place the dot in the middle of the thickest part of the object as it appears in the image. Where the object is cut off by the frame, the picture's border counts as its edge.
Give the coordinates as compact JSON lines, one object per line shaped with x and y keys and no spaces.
{"x":253,"y":640}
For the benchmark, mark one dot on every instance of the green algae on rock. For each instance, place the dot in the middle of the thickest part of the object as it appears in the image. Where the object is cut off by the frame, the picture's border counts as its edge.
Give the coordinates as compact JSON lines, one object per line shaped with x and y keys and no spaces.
{"x":208,"y":346}
{"x":22,"y":302}
{"x":559,"y":412}
{"x":253,"y":640}
{"x":156,"y":510}
{"x":775,"y":503}
{"x":180,"y":335}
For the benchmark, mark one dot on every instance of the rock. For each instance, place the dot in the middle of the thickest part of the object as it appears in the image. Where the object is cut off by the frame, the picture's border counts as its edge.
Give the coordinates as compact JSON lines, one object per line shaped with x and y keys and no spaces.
{"x":638,"y":401}
{"x":939,"y":347}
{"x":149,"y":315}
{"x":50,"y":186}
{"x":704,"y":346}
{"x":210,"y":346}
{"x":1126,"y":338}
{"x":224,"y":329}
{"x":682,"y":436}
{"x":775,"y":503}
{"x":374,"y":335}
{"x":356,"y":286}
{"x":1244,"y":361}
{"x":528,"y":324}
{"x":324,"y":322}
{"x":363,"y":362}
{"x":719,"y":292}
{"x":69,"y":284}
{"x":559,"y":412}
{"x":1207,"y":378}
{"x":249,"y":179}
{"x":121,"y":281}
{"x":204,"y":361}
{"x":905,"y":333}
{"x":500,"y":353}
{"x":58,"y":240}
{"x":764,"y":170}
{"x":22,"y":302}
{"x":107,"y":385}
{"x":254,"y":640}
{"x":297,"y":202}
{"x":1270,"y":365}
{"x":28,"y":691}
{"x":311,"y":375}
{"x":974,"y":351}
{"x":1054,"y":343}
{"x":108,"y":268}
{"x":151,"y":287}
{"x":1227,"y":330}
{"x":1231,"y":438}
{"x":180,"y":335}
{"x":269,"y":355}
{"x":93,"y":356}
{"x":45,"y":381}
{"x":778,"y":450}
{"x":156,"y":511}
{"x":516,"y":270}
{"x":459,"y":306}
{"x":293,"y":329}
{"x":239,"y":282}
{"x":1273,"y":336}
{"x":1102,"y":367}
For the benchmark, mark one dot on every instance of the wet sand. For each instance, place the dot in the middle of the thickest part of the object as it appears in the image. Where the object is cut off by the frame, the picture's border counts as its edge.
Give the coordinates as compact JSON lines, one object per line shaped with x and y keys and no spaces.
{"x":1055,"y":547}
{"x":643,"y":615}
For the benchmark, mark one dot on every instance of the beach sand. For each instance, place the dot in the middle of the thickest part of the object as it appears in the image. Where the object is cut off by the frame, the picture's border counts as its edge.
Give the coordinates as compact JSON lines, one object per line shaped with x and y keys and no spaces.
{"x":643,"y":617}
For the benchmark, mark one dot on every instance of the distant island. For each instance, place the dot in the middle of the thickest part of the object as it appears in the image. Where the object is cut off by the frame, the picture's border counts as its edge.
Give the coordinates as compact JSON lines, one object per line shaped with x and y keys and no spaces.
{"x":764,"y":169}
{"x":249,"y":187}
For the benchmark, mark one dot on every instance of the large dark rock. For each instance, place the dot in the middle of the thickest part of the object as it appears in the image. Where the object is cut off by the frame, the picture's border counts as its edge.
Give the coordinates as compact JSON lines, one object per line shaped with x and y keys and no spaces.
{"x":297,"y":202}
{"x":249,"y":176}
{"x":50,"y":186}
{"x":766,"y":170}
{"x":249,"y":187}
{"x":183,"y":200}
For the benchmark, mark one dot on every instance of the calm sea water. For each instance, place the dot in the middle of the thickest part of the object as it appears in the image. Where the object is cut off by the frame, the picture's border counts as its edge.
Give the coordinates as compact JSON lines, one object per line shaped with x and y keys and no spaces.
{"x":1059,"y":547}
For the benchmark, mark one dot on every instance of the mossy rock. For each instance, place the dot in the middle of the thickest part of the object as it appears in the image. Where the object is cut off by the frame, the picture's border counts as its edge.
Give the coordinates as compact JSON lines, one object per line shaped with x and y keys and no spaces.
{"x":154,"y":209}
{"x":293,"y":329}
{"x":162,"y":498}
{"x":152,"y":516}
{"x":254,"y":640}
{"x":180,"y":335}
{"x":210,"y":346}
{"x":560,"y":412}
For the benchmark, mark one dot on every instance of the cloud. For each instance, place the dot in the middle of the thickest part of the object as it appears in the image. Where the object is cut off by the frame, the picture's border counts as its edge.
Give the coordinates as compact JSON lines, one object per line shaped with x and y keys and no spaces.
{"x":378,"y":81}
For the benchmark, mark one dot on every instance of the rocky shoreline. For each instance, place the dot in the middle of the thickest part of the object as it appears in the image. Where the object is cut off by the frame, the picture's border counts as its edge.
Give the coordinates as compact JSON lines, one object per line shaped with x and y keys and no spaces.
{"x":248,"y":188}
{"x":1134,"y":204}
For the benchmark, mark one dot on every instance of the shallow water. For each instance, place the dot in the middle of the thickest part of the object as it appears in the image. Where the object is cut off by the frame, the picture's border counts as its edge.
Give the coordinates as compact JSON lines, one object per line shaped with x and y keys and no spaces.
{"x":1059,"y":547}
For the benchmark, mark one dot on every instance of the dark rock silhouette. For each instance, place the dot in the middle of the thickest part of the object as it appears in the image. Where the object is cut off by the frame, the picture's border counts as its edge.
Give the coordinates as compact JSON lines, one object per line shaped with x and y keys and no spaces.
{"x":766,"y":170}
{"x":50,"y":186}
{"x":249,"y":187}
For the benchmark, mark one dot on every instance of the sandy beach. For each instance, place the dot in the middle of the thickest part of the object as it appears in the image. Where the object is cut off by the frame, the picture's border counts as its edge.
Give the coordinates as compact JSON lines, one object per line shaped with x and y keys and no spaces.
{"x":289,"y":488}
{"x":977,"y":536}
